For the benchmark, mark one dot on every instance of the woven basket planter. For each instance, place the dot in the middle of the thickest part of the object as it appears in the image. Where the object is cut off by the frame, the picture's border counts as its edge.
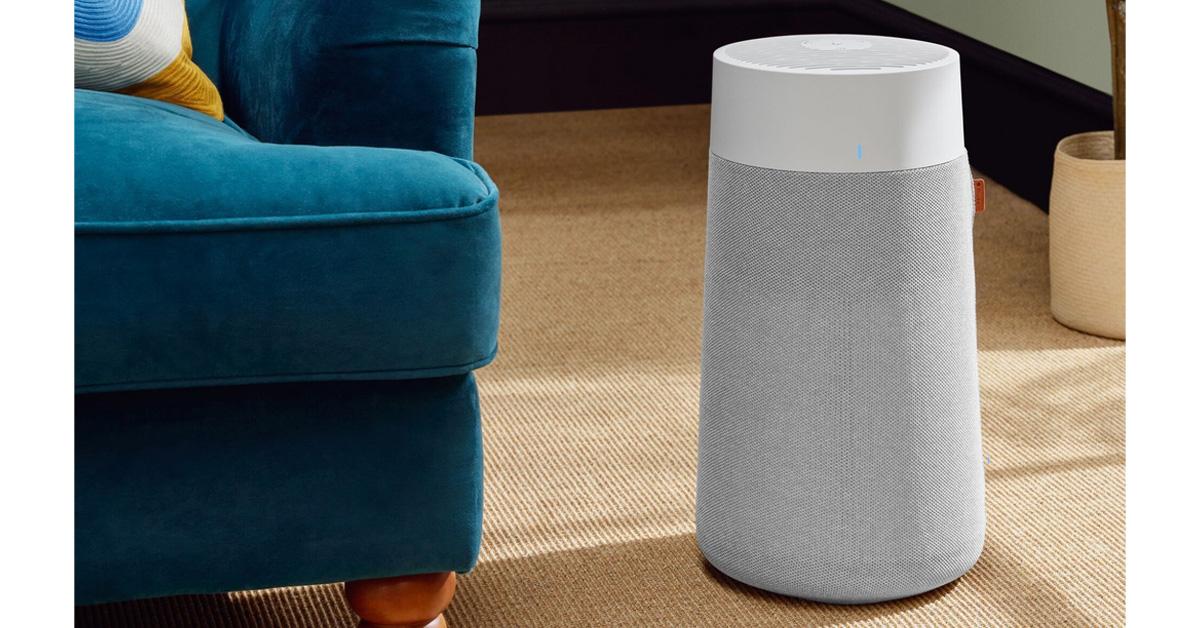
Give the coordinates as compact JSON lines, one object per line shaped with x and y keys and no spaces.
{"x":1087,"y":235}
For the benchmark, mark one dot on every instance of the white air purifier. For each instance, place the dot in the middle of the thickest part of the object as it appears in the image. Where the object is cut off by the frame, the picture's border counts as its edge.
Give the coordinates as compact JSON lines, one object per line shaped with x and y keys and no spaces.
{"x":840,"y":456}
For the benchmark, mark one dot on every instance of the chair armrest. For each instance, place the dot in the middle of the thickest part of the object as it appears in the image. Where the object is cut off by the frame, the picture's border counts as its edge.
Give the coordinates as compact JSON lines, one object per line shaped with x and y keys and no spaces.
{"x":205,"y":257}
{"x":394,"y":73}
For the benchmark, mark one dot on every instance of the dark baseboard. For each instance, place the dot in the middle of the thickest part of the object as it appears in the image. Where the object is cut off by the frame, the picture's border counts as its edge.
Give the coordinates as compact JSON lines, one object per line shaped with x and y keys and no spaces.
{"x":547,"y":55}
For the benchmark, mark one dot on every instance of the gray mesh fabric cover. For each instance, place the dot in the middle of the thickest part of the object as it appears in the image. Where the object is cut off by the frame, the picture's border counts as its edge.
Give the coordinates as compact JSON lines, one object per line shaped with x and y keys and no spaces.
{"x":840,"y":456}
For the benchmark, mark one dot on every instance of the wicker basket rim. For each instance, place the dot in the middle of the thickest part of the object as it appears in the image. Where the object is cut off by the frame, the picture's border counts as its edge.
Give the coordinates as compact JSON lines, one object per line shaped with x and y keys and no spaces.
{"x":1061,"y":154}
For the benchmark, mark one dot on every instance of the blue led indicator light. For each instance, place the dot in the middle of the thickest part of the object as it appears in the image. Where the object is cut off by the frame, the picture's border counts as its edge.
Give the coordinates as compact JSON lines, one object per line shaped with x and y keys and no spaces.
{"x":860,"y":151}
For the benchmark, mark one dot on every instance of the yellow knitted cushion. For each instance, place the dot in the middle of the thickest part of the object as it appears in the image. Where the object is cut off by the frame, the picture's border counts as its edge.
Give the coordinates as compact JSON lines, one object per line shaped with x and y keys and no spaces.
{"x":142,"y":48}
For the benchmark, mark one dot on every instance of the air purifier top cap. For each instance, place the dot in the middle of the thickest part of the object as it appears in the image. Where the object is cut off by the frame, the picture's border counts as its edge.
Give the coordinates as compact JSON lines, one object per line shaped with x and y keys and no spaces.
{"x":836,"y":54}
{"x":836,"y":103}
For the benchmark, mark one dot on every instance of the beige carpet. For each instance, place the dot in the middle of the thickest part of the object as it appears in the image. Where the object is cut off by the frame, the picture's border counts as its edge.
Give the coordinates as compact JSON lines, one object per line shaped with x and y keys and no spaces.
{"x":590,"y":414}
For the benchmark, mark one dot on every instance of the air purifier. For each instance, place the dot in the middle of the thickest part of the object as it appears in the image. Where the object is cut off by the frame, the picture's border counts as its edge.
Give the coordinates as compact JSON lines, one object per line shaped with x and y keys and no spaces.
{"x":839,"y":455}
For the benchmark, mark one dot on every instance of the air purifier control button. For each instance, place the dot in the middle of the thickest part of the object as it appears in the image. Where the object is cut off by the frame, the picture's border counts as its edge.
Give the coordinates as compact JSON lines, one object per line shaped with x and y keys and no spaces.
{"x":836,"y":43}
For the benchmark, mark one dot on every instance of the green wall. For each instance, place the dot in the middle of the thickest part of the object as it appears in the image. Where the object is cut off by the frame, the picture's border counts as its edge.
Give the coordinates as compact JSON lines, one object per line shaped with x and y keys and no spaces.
{"x":1067,"y":36}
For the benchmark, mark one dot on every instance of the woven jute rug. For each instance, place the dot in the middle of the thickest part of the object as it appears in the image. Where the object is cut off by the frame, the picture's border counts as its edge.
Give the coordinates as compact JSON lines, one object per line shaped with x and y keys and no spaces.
{"x":590,"y":414}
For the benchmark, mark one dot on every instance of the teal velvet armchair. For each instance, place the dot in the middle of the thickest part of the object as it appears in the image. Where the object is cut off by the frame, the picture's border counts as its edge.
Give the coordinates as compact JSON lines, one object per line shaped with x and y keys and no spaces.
{"x":277,"y":316}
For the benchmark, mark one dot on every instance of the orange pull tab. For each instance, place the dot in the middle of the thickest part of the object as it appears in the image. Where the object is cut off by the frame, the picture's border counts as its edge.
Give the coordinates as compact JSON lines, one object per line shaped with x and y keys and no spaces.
{"x":980,"y":196}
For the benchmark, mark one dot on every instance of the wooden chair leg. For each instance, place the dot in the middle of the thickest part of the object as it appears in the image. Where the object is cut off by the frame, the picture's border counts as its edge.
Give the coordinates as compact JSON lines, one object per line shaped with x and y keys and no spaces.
{"x":408,"y":601}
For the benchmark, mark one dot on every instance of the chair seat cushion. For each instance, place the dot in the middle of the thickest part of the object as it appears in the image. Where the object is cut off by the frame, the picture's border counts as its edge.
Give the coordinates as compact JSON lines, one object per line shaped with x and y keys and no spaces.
{"x":205,"y":257}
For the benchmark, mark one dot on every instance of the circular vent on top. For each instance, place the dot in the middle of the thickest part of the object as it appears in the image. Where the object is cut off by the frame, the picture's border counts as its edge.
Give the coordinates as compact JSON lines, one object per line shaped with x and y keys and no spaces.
{"x":834,"y":53}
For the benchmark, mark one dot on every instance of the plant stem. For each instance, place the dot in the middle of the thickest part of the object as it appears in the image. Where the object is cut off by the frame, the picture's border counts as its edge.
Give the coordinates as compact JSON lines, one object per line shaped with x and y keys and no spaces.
{"x":1116,"y":36}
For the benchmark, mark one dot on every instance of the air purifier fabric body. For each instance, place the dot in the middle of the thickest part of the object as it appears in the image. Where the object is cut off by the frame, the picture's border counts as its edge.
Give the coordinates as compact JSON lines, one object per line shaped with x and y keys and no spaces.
{"x":840,"y":455}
